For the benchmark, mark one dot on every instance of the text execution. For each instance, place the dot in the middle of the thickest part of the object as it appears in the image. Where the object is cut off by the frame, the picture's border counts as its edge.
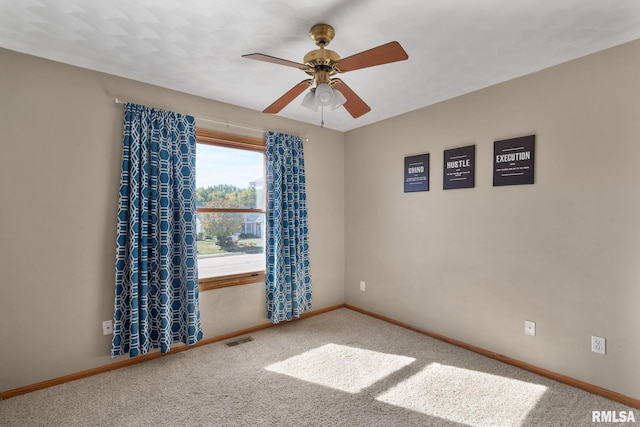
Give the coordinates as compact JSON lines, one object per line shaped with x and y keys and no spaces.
{"x":512,"y":157}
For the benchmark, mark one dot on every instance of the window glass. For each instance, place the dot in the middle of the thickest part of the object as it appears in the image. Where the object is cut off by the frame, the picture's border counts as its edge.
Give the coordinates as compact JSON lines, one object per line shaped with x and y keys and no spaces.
{"x":230,"y":205}
{"x":229,"y":177}
{"x":230,"y":243}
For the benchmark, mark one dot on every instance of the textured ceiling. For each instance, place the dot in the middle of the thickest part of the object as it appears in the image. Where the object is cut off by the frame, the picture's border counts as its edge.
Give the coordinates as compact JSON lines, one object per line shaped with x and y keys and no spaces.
{"x":195,"y":46}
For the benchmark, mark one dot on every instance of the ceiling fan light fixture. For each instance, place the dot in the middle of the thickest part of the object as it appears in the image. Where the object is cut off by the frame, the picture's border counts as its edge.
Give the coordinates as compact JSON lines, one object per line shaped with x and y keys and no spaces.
{"x":309,"y":101}
{"x":324,"y":95}
{"x":338,"y":99}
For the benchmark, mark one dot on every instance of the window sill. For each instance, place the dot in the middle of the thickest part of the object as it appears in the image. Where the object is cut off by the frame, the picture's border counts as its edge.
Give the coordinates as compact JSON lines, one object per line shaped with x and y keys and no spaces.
{"x":210,"y":283}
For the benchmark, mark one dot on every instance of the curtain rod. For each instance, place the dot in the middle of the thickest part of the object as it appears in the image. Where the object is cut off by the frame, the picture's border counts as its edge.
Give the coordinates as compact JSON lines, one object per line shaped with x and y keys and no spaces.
{"x":119,"y":101}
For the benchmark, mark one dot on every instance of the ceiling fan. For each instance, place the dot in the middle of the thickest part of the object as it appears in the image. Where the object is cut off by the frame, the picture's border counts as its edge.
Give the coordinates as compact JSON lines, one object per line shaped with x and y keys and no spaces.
{"x":321,"y":64}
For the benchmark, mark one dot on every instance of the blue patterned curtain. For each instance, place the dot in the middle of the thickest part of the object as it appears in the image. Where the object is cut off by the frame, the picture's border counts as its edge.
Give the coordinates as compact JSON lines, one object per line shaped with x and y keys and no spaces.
{"x":288,"y":280}
{"x":156,"y":302}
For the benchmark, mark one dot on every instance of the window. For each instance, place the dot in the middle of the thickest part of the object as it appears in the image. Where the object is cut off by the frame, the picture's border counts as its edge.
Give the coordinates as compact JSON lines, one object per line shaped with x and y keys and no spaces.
{"x":230,"y":201}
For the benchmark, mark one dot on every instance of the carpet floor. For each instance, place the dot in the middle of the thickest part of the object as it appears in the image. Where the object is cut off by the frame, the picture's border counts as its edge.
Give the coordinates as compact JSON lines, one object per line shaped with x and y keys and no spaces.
{"x":340,"y":368}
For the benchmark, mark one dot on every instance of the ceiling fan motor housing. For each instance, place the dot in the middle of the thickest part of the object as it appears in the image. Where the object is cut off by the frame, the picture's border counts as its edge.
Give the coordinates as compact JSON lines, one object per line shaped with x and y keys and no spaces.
{"x":321,"y":60}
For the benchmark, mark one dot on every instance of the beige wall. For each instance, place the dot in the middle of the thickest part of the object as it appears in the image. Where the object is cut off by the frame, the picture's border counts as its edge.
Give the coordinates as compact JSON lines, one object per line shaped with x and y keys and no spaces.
{"x":60,"y":145}
{"x":473,"y":264}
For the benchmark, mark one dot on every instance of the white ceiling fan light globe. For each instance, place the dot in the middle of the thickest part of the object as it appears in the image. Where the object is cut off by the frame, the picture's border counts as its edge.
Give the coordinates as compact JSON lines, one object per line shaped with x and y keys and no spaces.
{"x":309,"y":101}
{"x":338,"y":100}
{"x":324,"y":94}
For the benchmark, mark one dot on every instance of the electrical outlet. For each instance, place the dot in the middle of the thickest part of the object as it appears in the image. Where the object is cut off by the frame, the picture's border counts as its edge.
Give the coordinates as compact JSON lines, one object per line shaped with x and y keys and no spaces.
{"x":361,"y":285}
{"x":107,"y":327}
{"x":598,"y":345}
{"x":530,"y":328}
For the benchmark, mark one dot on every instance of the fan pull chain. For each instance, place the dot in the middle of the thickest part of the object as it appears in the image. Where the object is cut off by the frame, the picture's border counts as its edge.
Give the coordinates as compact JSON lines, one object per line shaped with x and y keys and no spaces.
{"x":322,"y":116}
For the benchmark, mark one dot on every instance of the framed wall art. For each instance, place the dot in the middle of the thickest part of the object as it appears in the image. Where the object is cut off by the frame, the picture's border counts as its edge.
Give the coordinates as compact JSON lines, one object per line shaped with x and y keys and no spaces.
{"x":513,"y":161}
{"x":459,"y":167}
{"x":416,"y":173}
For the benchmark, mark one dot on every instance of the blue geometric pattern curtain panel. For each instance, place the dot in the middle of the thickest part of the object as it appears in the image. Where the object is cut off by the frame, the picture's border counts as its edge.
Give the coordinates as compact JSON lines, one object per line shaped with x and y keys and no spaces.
{"x":156,"y":301}
{"x":288,"y":279}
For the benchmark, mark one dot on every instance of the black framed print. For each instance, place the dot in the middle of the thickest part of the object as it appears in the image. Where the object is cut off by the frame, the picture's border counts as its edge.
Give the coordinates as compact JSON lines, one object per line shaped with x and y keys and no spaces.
{"x":416,"y":173}
{"x":459,"y":168}
{"x":513,"y":161}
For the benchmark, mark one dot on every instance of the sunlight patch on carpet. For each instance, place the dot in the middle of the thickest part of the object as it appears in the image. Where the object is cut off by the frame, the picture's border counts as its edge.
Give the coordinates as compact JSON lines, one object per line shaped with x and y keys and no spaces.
{"x":341,"y":367}
{"x":464,"y":396}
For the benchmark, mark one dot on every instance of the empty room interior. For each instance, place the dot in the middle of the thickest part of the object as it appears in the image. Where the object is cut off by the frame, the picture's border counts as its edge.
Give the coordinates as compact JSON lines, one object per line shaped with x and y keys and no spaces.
{"x":465,"y":263}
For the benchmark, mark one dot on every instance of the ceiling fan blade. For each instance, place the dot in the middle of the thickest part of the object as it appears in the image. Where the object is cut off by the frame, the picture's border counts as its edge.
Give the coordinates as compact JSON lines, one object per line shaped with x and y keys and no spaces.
{"x":274,"y":60}
{"x":354,"y":105}
{"x":390,"y":52}
{"x":285,"y":99}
